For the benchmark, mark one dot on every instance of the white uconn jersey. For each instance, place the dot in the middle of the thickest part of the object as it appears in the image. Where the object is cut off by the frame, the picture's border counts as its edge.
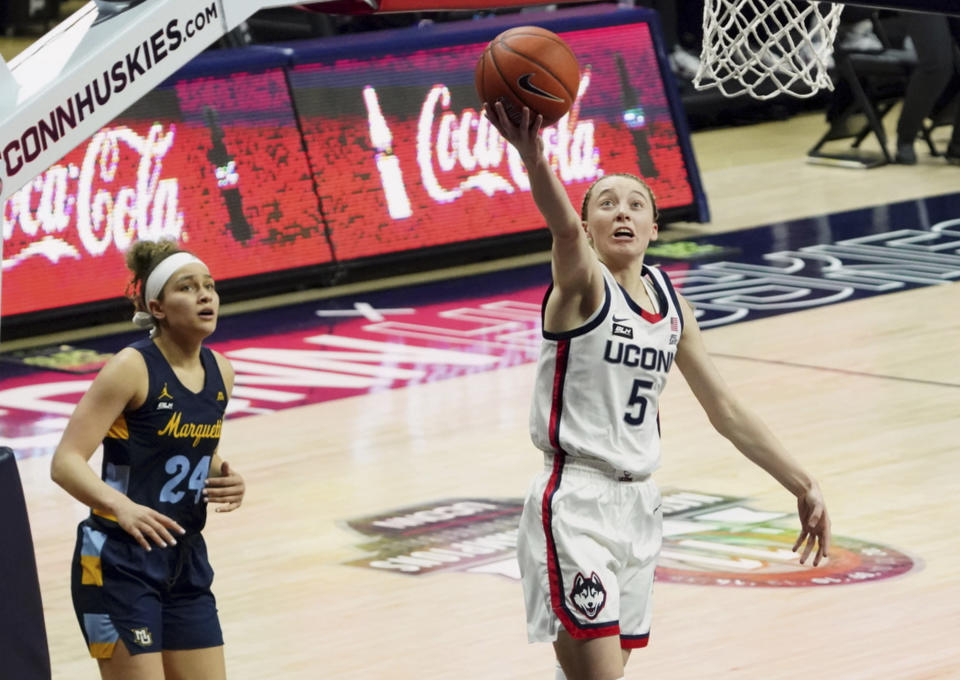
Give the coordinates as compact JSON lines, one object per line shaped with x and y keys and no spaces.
{"x":598,"y":387}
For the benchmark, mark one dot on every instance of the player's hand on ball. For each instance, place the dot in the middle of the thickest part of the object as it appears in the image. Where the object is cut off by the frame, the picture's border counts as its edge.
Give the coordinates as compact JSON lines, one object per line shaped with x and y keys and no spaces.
{"x":815,"y":526}
{"x":525,"y":136}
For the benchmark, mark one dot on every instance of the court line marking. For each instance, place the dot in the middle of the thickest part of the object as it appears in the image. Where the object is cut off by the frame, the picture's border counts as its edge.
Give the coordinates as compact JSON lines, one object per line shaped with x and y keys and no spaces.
{"x":829,"y":369}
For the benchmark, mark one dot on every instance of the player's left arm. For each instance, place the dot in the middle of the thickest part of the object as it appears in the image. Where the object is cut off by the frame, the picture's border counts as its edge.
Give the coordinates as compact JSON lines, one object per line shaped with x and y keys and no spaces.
{"x":225,"y":485}
{"x":745,"y":430}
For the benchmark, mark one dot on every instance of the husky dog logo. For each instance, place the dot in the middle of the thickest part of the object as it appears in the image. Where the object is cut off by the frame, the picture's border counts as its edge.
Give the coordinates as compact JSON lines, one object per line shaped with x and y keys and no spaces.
{"x":588,"y":595}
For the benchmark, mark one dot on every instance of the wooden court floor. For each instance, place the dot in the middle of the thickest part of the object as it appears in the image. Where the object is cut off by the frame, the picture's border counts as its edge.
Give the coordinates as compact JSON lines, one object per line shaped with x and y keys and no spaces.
{"x":866,"y":393}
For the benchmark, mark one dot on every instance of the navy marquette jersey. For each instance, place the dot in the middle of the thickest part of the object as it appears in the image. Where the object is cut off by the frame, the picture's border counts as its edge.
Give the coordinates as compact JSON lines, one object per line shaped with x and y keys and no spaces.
{"x":159,"y":454}
{"x":598,"y":387}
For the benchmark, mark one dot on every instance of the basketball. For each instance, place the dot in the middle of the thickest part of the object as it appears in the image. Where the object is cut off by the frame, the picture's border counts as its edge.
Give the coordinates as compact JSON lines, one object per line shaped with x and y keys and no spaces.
{"x":529,"y":66}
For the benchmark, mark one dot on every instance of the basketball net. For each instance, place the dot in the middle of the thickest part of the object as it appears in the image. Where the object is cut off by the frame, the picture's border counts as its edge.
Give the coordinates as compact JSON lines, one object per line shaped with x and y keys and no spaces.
{"x":765,"y":48}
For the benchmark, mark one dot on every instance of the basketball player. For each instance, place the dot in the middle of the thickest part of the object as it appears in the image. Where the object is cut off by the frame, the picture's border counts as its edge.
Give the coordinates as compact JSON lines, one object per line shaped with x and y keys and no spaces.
{"x":591,"y":527}
{"x":140,"y":576}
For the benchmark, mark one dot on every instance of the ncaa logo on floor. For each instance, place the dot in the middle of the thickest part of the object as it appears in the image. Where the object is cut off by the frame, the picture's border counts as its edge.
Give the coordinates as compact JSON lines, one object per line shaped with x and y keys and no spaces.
{"x":709,"y":539}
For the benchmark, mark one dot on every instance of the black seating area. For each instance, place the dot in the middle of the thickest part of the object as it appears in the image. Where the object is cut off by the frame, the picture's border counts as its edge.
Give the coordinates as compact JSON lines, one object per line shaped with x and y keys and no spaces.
{"x":870,"y":81}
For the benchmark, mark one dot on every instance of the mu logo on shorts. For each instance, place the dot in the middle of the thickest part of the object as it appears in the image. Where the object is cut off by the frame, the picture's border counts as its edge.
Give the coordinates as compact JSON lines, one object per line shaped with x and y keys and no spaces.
{"x":588,"y":595}
{"x":142,"y":636}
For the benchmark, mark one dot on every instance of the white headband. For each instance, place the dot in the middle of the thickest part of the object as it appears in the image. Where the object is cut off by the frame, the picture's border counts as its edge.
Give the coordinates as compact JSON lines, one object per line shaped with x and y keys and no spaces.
{"x":162,"y":272}
{"x":156,"y":281}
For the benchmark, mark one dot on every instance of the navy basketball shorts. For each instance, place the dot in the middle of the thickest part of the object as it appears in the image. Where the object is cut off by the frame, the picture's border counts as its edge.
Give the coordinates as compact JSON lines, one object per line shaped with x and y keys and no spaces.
{"x":152,"y":601}
{"x":587,"y":549}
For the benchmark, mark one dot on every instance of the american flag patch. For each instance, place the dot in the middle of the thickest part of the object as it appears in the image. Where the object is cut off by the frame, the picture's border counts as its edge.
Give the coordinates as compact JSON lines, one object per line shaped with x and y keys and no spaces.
{"x":674,"y":324}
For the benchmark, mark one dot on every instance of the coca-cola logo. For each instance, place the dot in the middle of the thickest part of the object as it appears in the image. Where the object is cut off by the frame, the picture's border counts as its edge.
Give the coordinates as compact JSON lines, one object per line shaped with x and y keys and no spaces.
{"x":72,"y":210}
{"x":452,"y":144}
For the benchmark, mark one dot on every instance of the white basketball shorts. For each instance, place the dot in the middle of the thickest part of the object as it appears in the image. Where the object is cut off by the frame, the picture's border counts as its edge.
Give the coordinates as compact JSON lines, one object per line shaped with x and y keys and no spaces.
{"x":587,"y":549}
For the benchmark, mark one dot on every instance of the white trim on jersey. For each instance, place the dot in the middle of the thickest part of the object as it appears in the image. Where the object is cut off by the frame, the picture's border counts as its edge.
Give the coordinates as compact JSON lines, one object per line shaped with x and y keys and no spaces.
{"x":598,"y":386}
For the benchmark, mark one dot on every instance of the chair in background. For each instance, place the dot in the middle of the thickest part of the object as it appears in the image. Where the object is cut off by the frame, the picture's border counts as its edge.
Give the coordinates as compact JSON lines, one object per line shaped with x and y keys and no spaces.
{"x":869,"y":79}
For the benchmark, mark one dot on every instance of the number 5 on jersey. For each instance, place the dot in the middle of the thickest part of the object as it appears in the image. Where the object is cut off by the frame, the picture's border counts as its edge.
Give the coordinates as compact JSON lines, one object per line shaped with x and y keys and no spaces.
{"x":637,"y":406}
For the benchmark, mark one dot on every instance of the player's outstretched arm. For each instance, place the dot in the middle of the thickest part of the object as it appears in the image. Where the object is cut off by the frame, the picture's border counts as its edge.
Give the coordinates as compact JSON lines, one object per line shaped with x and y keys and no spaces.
{"x":563,"y":221}
{"x":752,"y":437}
{"x":547,"y":190}
{"x":576,"y":273}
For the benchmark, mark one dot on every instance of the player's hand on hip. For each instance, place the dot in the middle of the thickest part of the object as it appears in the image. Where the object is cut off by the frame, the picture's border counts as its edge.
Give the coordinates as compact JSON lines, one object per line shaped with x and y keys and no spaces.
{"x":814,"y":526}
{"x":227,"y":489}
{"x":147,"y":526}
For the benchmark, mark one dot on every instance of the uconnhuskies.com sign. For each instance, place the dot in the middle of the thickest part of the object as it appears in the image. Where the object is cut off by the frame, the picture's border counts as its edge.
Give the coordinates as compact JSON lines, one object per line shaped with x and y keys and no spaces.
{"x":709,"y":539}
{"x":135,"y":51}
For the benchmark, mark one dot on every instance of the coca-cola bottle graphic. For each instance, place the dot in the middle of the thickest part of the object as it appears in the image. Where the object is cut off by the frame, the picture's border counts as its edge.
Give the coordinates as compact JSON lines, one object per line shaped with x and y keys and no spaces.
{"x":398,"y":204}
{"x":635,"y":120}
{"x":228,"y":179}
